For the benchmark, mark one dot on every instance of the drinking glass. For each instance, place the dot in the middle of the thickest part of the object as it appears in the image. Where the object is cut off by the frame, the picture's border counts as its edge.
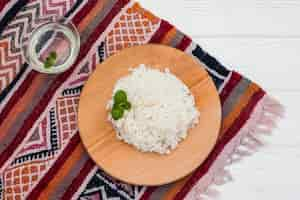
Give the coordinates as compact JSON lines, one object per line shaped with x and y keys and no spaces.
{"x":60,"y":38}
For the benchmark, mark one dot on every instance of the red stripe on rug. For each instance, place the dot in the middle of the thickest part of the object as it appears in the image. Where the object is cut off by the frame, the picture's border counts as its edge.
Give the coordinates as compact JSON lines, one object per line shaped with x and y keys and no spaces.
{"x":161,"y":32}
{"x":76,"y":183}
{"x":148,"y":193}
{"x":31,"y":119}
{"x":19,"y":93}
{"x":230,"y":134}
{"x":2,"y":4}
{"x":83,"y":12}
{"x":34,"y":194}
{"x":185,"y":42}
{"x":230,"y":85}
{"x":107,"y":20}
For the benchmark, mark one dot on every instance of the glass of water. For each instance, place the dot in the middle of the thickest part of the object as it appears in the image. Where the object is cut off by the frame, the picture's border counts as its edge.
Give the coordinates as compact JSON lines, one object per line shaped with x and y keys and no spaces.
{"x":52,"y":47}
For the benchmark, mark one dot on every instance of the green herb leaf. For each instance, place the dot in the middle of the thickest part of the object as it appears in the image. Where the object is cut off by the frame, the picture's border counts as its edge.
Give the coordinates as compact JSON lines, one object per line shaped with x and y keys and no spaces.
{"x":120,"y":97}
{"x":117,"y":113}
{"x":120,"y":105}
{"x":53,"y":55}
{"x":50,"y":60}
{"x":47,"y":65}
{"x":125,"y":105}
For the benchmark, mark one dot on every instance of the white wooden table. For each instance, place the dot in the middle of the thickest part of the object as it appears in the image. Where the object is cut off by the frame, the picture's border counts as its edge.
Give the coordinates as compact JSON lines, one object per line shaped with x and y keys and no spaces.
{"x":261,"y":39}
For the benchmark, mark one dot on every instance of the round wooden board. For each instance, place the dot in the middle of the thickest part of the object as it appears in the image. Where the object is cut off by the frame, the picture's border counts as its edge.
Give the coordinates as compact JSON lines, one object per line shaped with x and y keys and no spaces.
{"x":123,"y":161}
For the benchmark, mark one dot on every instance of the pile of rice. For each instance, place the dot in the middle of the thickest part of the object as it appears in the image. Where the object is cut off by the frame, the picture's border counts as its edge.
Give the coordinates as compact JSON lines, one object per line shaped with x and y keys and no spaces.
{"x":163,"y":109}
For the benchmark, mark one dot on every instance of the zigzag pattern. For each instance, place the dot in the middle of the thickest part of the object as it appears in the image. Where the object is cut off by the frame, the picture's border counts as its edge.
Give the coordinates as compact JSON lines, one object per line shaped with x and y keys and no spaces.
{"x":32,"y":15}
{"x":104,"y":187}
{"x":57,"y":128}
{"x":100,"y":193}
{"x":56,"y":7}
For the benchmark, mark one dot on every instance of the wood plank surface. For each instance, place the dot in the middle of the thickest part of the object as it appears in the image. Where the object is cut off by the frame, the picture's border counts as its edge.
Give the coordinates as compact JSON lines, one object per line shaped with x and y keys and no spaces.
{"x":261,"y":39}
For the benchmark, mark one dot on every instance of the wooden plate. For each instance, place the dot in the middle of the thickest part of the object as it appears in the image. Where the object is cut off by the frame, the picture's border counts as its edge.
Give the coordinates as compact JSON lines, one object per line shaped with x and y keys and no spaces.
{"x":123,"y":161}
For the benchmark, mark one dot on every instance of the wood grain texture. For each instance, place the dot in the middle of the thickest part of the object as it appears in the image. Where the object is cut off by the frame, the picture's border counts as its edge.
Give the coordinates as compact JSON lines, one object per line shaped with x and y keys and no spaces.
{"x":271,"y":62}
{"x":272,"y":172}
{"x":231,"y":17}
{"x":261,"y":40}
{"x":124,"y":161}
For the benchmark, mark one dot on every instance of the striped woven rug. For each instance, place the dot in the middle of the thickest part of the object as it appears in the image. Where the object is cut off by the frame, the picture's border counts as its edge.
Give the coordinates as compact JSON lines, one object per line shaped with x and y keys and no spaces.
{"x":41,"y":155}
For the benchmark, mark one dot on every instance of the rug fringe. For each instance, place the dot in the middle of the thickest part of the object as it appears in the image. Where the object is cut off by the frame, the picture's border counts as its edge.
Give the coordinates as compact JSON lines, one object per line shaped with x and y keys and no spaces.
{"x":262,"y":121}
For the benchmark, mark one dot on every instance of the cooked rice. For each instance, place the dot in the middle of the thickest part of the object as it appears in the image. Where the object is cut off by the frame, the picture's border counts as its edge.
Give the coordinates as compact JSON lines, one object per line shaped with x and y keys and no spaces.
{"x":163,"y":110}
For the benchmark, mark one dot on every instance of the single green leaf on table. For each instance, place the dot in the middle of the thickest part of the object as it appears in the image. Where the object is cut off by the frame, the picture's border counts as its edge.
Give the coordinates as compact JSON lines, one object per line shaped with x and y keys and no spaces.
{"x":50,"y":60}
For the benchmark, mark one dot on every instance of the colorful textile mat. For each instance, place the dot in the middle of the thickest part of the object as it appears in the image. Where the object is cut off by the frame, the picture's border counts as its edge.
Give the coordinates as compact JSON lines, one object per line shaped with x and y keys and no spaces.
{"x":41,"y":155}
